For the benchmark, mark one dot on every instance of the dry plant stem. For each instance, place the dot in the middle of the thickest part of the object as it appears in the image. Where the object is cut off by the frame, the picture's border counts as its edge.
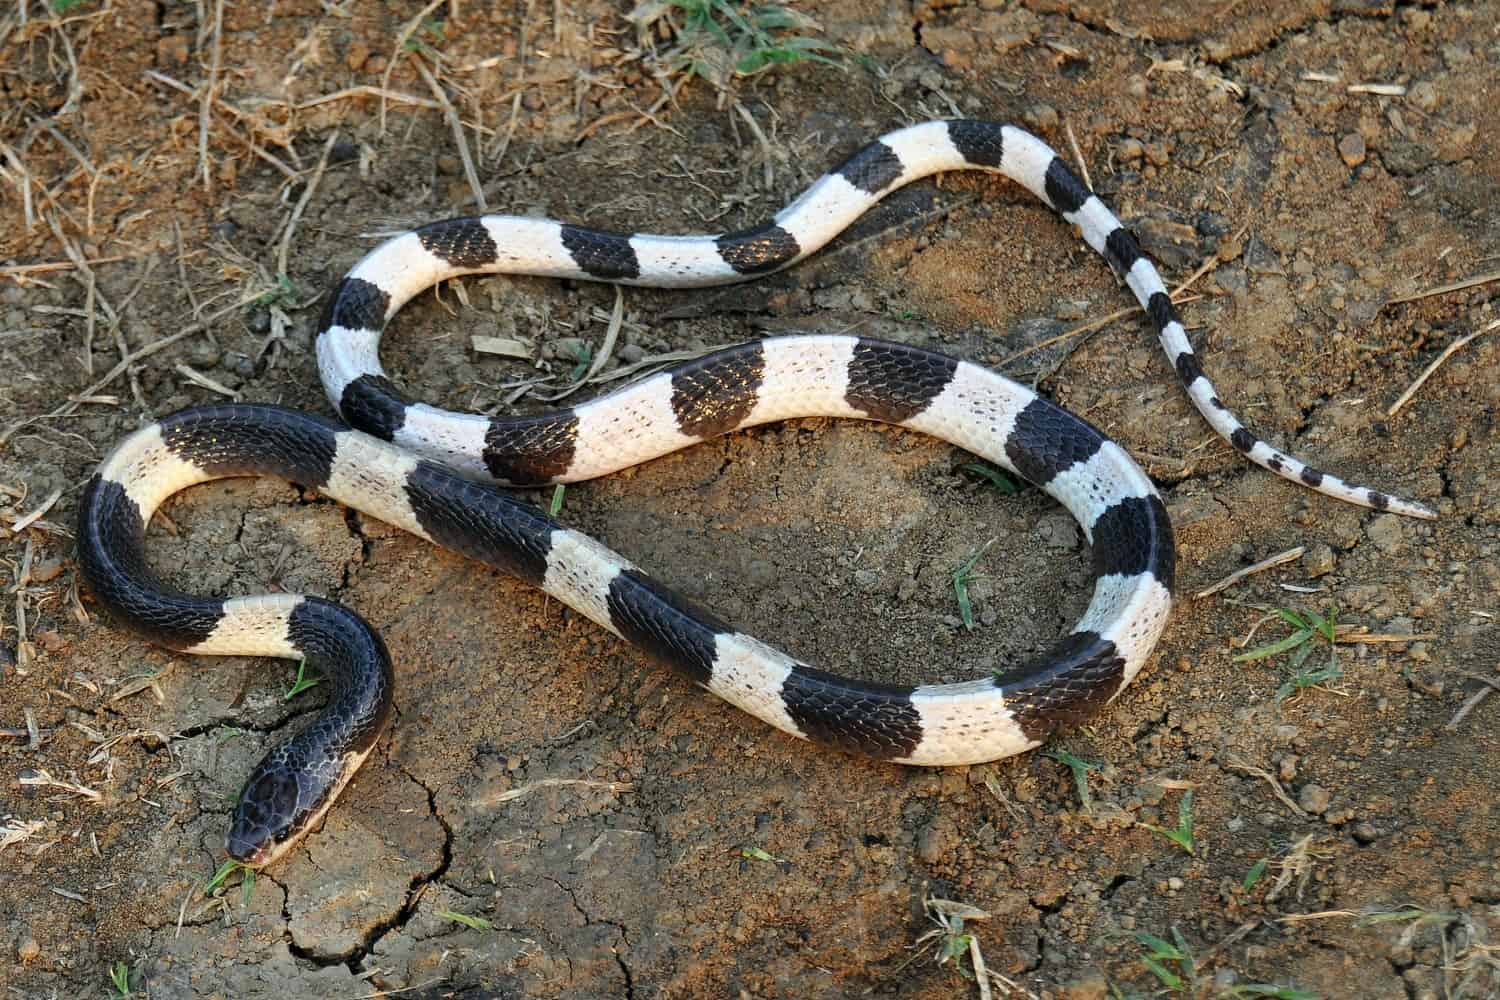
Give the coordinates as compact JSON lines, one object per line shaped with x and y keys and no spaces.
{"x":206,"y":102}
{"x":1178,"y":298}
{"x":1473,"y":701}
{"x":177,"y":85}
{"x":1457,"y":286}
{"x":616,"y":320}
{"x":301,"y":206}
{"x":458,"y":132}
{"x":1448,"y":352}
{"x":402,"y":37}
{"x":23,"y":183}
{"x":1263,"y":565}
{"x":1083,"y":166}
{"x":981,"y":975}
{"x":71,"y":406}
{"x":182,"y":277}
{"x":760,"y":137}
{"x":1236,"y":764}
{"x":28,"y":521}
{"x":20,"y":271}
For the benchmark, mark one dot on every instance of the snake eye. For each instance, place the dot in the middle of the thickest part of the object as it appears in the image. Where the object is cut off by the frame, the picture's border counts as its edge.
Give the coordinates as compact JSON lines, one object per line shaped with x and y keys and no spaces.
{"x":262,"y":817}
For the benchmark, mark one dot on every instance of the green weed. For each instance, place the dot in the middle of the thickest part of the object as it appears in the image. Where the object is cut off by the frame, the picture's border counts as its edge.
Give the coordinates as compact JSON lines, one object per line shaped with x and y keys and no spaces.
{"x":719,"y":41}
{"x":473,"y":923}
{"x":303,"y":682}
{"x":961,"y":578}
{"x":995,"y":477}
{"x":119,"y":973}
{"x":1182,"y":834}
{"x":1080,"y":769}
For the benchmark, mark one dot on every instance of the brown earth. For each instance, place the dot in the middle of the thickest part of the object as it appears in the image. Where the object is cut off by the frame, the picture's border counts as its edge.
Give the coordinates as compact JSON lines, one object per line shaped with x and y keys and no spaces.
{"x":660,"y":844}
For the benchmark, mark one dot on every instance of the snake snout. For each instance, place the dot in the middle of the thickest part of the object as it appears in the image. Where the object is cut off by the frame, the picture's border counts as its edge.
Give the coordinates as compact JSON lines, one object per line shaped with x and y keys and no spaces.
{"x":263,"y":817}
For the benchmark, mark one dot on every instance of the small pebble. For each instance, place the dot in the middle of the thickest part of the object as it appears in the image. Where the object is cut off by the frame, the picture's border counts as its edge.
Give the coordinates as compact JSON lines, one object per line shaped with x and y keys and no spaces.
{"x":866,"y":579}
{"x":1365,"y":832}
{"x":1385,"y":532}
{"x":28,"y":949}
{"x":1042,"y":116}
{"x":1314,"y":799}
{"x":50,"y":641}
{"x":1424,"y":95}
{"x":47,"y":570}
{"x":357,"y":54}
{"x":1352,"y":149}
{"x":936,"y":839}
{"x":1318,"y":560}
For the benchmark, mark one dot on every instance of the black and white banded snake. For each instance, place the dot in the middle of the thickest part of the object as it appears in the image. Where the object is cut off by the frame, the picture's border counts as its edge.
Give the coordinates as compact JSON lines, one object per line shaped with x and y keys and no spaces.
{"x":416,"y":467}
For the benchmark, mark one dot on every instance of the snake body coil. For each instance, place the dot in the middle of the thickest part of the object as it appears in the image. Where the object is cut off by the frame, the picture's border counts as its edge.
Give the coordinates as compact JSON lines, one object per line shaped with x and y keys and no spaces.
{"x":414,"y":466}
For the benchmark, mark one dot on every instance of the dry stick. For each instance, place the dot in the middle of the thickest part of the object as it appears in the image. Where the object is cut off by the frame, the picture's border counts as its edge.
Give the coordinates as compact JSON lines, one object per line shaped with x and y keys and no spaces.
{"x":1473,"y":700}
{"x":27,"y":212}
{"x":21,"y":270}
{"x":1264,"y":564}
{"x":36,"y":515}
{"x":1457,"y":286}
{"x":1448,"y":351}
{"x":206,"y":102}
{"x":1235,"y":764}
{"x":307,"y":193}
{"x":182,"y":270}
{"x":239,"y":115}
{"x":1078,"y":156}
{"x":407,"y":30}
{"x":458,"y":132}
{"x":760,"y":137}
{"x":62,"y":140}
{"x":91,"y":297}
{"x":368,"y":90}
{"x":616,"y":320}
{"x":1095,"y":325}
{"x":71,"y":406}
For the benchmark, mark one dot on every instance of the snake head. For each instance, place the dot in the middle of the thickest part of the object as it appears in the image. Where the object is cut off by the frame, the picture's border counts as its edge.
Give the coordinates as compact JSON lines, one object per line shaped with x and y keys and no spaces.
{"x":264,"y":818}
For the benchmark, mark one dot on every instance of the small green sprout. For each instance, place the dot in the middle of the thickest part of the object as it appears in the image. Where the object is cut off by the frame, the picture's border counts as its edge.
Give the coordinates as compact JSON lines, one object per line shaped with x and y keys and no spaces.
{"x":995,"y":477}
{"x":961,"y":578}
{"x":1254,"y":874}
{"x":1162,"y":952}
{"x":1182,"y":835}
{"x":1080,"y":769}
{"x":473,"y":923}
{"x":303,"y":682}
{"x":557,"y":501}
{"x":119,"y":973}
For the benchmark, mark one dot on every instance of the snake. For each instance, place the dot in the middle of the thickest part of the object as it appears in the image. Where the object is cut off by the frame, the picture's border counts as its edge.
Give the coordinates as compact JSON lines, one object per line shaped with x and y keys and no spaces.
{"x":442,"y":475}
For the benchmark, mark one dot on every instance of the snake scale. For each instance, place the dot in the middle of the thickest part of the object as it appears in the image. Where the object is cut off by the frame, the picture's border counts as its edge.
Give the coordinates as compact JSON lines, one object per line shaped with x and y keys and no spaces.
{"x":420,"y":468}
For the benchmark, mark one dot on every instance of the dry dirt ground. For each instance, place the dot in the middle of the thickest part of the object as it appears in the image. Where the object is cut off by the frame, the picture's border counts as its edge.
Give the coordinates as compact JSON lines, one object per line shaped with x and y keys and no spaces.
{"x":618,"y":832}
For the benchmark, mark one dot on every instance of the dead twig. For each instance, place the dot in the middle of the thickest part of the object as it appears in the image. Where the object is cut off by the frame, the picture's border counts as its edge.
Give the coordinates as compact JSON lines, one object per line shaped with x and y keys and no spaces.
{"x":301,"y":206}
{"x":205,"y":105}
{"x":451,"y":114}
{"x":1448,"y":352}
{"x":1235,"y":764}
{"x":1491,"y":686}
{"x":616,"y":320}
{"x":90,"y":395}
{"x":1457,"y":286}
{"x":1260,"y":567}
{"x":402,"y":37}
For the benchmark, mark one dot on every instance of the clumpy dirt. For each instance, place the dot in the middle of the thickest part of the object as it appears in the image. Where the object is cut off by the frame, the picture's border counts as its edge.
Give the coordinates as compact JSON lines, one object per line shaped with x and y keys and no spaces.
{"x":616,"y":831}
